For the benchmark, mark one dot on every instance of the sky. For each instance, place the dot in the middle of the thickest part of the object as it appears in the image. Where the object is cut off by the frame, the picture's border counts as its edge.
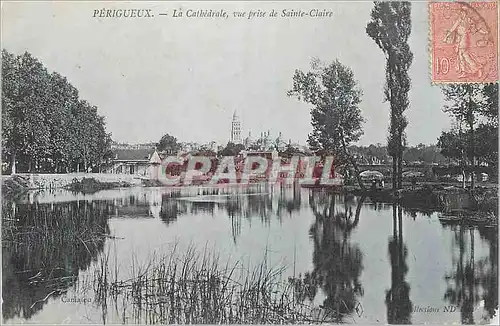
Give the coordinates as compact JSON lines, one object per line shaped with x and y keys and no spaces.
{"x":186,"y":76}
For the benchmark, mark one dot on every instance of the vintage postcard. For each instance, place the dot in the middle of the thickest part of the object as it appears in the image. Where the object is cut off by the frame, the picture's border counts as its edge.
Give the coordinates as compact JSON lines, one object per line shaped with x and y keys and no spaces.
{"x":234,"y":162}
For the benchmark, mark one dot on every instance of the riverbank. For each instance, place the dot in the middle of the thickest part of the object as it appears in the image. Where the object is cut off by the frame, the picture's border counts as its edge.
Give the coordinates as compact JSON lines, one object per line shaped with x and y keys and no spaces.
{"x":478,"y":207}
{"x":15,"y":185}
{"x":91,"y":185}
{"x":448,"y":199}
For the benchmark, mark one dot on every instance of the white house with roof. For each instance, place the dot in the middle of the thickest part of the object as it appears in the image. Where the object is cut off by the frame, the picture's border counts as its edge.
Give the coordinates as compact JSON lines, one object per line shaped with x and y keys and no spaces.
{"x":131,"y":161}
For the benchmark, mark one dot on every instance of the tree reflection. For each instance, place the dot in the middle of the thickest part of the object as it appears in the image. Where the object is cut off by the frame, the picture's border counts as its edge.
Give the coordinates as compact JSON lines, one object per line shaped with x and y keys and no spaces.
{"x":171,"y":208}
{"x":337,"y":262}
{"x":44,"y":246}
{"x":256,"y":201}
{"x":472,"y":281}
{"x":397,"y":298}
{"x":263,"y":202}
{"x":487,"y":268}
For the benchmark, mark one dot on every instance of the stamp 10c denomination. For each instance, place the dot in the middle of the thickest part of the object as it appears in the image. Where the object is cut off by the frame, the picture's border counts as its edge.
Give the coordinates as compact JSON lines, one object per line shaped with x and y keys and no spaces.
{"x":464,"y":42}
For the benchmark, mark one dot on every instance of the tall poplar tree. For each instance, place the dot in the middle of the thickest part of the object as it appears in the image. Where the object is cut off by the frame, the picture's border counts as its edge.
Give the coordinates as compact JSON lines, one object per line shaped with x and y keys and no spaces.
{"x":390,"y":28}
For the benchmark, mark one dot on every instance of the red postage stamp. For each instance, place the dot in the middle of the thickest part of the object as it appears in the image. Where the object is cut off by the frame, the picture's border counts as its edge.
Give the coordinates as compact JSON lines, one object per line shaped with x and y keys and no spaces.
{"x":464,"y":42}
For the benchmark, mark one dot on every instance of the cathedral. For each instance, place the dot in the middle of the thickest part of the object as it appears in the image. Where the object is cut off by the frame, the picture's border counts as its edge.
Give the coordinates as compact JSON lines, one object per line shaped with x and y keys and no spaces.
{"x":263,"y":143}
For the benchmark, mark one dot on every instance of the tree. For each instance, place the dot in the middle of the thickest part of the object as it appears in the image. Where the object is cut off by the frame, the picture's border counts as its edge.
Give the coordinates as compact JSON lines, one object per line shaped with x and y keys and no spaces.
{"x":467,"y":103}
{"x":486,"y":145}
{"x":390,"y":28}
{"x":59,"y":112}
{"x":490,"y":93}
{"x":336,"y":116}
{"x":290,"y":150}
{"x":453,"y":144}
{"x":9,"y":96}
{"x":231,"y":149}
{"x":45,"y":126}
{"x":168,"y":143}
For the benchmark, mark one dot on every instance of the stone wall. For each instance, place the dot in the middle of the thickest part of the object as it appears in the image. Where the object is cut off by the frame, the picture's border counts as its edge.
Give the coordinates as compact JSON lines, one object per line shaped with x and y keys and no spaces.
{"x":54,"y":181}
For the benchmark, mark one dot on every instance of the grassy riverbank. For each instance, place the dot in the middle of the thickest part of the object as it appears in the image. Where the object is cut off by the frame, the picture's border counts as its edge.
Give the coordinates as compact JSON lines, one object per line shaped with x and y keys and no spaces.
{"x":91,"y":185}
{"x":198,"y":288}
{"x":14,"y":186}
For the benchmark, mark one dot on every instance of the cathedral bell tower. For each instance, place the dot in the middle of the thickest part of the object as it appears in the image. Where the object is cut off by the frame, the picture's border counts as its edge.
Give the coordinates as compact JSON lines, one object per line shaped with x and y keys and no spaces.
{"x":235,"y":129}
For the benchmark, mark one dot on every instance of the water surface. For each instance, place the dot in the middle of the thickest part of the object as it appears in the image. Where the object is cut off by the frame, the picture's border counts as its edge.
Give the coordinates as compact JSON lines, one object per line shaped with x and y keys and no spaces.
{"x":376,"y":262}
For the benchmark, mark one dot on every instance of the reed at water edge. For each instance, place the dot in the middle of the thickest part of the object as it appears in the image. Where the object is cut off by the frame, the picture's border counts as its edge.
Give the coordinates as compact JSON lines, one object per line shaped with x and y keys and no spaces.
{"x":196,"y":287}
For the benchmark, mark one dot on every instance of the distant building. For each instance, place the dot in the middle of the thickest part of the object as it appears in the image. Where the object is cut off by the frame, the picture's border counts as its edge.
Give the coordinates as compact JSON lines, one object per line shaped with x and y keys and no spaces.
{"x":235,"y":129}
{"x":130,"y":161}
{"x":270,"y":155}
{"x":117,"y":146}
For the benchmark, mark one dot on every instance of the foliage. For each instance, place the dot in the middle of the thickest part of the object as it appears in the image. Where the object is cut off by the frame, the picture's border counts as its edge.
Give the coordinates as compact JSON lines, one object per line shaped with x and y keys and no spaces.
{"x":486,"y":144}
{"x":91,"y":185}
{"x":45,"y":125}
{"x":451,"y":144}
{"x":335,"y":95}
{"x":490,"y":92}
{"x":290,"y":151}
{"x":168,"y":143}
{"x":231,"y":149}
{"x":390,"y":28}
{"x":336,"y":116}
{"x":475,"y":136}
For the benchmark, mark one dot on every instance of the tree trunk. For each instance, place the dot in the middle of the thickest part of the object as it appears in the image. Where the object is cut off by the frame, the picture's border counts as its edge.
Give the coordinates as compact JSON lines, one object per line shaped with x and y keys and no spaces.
{"x":394,"y":172}
{"x":472,"y":157}
{"x":356,"y":171}
{"x":470,"y":122}
{"x":354,"y":164}
{"x":358,"y":210}
{"x":400,"y":162}
{"x":13,"y":163}
{"x":395,"y":156}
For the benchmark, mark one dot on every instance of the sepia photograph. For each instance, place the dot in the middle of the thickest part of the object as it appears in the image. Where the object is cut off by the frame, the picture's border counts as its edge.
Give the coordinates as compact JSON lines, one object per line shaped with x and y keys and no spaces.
{"x":240,"y":162}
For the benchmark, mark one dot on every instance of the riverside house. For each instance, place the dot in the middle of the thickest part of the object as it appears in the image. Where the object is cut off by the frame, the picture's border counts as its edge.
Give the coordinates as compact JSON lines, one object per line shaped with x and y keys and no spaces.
{"x":130,"y":161}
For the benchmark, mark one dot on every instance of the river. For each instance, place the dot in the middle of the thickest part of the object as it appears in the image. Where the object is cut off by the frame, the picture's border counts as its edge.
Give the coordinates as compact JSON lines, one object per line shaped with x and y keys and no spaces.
{"x":381,"y":262}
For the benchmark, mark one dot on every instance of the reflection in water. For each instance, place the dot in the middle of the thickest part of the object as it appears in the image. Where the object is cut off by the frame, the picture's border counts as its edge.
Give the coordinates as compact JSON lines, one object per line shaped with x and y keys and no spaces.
{"x":473,"y":281}
{"x":262,"y":201}
{"x":397,"y":298}
{"x":488,"y":270}
{"x":337,"y":262}
{"x":44,"y":246}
